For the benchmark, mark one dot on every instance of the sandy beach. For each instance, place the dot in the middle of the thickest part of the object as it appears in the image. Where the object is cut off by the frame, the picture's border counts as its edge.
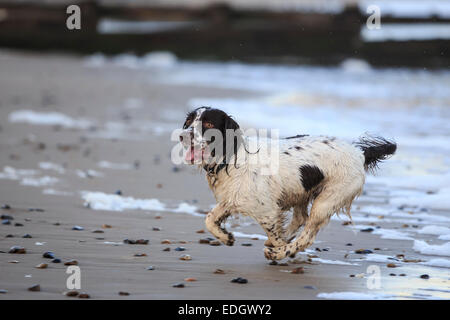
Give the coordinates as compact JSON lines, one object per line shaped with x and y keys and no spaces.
{"x":115,"y":139}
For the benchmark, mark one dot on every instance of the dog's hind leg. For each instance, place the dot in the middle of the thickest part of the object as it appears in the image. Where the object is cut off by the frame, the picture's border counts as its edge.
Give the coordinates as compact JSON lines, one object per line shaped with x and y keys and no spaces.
{"x":299,"y":218}
{"x":214,"y":221}
{"x":329,"y":201}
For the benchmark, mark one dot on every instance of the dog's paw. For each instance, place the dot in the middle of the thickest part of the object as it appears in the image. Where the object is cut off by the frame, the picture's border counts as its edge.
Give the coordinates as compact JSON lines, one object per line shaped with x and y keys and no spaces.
{"x":277,"y":253}
{"x":230,"y":240}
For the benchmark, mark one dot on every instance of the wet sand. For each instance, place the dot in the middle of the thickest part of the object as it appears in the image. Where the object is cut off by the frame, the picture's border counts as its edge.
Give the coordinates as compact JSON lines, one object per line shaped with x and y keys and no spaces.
{"x":46,"y":83}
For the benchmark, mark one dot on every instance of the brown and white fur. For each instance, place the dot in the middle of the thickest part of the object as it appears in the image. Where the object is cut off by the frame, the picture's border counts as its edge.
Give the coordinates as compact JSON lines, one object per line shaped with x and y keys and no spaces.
{"x":323,"y":171}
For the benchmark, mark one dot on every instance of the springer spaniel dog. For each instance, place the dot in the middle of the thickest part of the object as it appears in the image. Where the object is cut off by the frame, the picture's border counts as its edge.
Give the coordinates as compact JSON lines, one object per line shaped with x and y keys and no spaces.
{"x":325,"y":172}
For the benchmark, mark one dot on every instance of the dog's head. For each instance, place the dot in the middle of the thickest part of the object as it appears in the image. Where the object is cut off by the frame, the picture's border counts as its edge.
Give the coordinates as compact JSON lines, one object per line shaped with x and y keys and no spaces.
{"x":210,"y":136}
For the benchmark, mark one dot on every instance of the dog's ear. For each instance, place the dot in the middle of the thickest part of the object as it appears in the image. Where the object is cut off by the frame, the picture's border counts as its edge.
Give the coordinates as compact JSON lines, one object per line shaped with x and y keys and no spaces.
{"x":231,"y":124}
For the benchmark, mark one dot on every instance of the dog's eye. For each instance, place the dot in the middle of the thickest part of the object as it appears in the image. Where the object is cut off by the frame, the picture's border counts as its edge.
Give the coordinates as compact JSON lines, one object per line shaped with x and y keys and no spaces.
{"x":208,"y":125}
{"x":188,"y":122}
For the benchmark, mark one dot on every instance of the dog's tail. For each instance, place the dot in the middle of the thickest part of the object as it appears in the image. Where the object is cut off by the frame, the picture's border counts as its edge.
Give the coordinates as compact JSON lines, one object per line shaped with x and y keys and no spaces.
{"x":375,"y":150}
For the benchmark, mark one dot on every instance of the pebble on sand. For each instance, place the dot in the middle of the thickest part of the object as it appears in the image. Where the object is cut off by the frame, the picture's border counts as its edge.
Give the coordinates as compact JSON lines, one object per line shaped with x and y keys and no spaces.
{"x":363,"y":251}
{"x":239,"y":280}
{"x":77,"y":228}
{"x":71,"y":263}
{"x":49,"y":255}
{"x":246,"y":244}
{"x":424,"y":276}
{"x":391,"y":265}
{"x":98,"y":231}
{"x":124,"y":293}
{"x":219,"y":271}
{"x":178,"y":285}
{"x":84,"y":295}
{"x":310,"y":287}
{"x":140,"y":255}
{"x":72,"y":293}
{"x":166,"y":241}
{"x":27,"y":236}
{"x":215,"y":243}
{"x":6,"y":217}
{"x":42,"y":266}
{"x":139,"y":241}
{"x":56,"y":260}
{"x":180,"y":249}
{"x":166,"y":249}
{"x":17,"y":249}
{"x":186,"y":257}
{"x":298,"y":270}
{"x":35,"y":288}
{"x":150,"y":268}
{"x":106,"y":226}
{"x":200,"y":231}
{"x":3,"y":291}
{"x":190,"y":279}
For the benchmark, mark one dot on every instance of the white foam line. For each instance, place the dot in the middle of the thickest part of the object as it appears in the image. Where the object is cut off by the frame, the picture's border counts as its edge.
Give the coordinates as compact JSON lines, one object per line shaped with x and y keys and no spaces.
{"x":54,"y":192}
{"x":336,"y":262}
{"x":38,"y":182}
{"x":435,"y":250}
{"x":47,"y":118}
{"x":52,"y":166}
{"x":114,"y":202}
{"x":116,"y":166}
{"x":439,"y":262}
{"x":238,"y":234}
{"x":386,"y":233}
{"x":348,"y":295}
{"x":435,"y":230}
{"x":381,"y":258}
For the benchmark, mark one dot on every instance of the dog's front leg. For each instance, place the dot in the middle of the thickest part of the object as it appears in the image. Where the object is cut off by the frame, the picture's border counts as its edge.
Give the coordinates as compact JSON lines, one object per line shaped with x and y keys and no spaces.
{"x":273,"y":226}
{"x":214,"y":221}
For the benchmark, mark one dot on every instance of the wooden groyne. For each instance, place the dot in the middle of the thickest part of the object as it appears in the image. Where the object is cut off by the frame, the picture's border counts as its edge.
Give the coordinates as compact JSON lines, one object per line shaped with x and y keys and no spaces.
{"x":219,"y":32}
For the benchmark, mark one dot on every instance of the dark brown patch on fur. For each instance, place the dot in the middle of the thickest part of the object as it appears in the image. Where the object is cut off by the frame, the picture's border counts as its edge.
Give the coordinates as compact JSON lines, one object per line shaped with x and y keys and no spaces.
{"x":298,"y":136}
{"x":310,"y":176}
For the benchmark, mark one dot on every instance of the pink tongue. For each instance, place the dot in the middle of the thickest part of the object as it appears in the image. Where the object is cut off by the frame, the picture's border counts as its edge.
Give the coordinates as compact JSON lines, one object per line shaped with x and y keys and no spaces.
{"x":194,"y":154}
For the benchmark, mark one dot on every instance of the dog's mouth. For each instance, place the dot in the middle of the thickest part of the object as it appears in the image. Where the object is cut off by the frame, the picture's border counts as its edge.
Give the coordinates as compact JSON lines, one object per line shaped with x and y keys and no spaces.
{"x":194,"y":155}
